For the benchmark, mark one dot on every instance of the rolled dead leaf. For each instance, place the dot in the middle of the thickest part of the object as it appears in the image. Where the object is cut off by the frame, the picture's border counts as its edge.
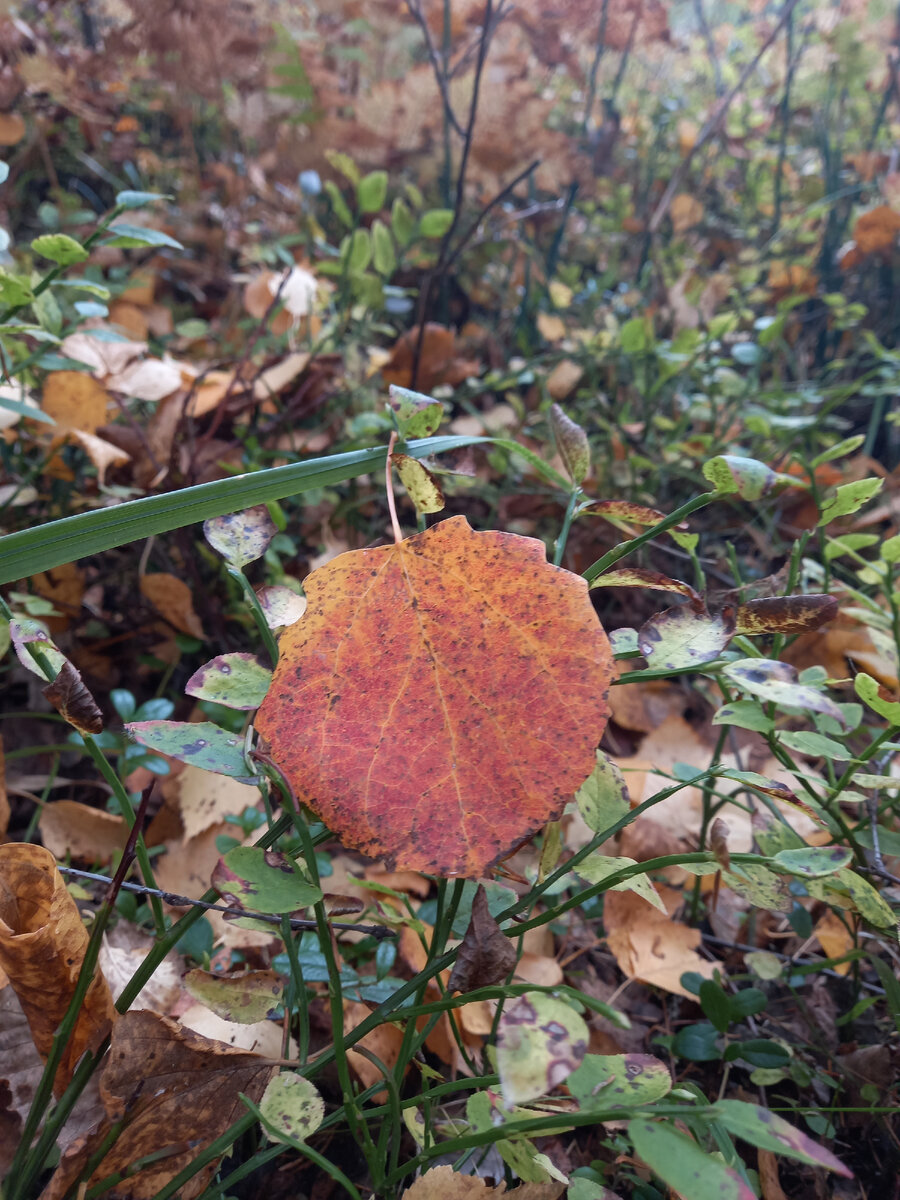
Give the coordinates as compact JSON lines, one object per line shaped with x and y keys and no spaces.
{"x":42,"y":946}
{"x":485,"y":955}
{"x":72,"y":700}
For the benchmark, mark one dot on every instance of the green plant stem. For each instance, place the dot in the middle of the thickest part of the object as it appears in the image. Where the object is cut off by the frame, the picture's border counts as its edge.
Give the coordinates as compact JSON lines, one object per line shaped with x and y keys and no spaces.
{"x":104,"y":766}
{"x":624,"y":548}
{"x":256,"y":610}
{"x":566,"y":526}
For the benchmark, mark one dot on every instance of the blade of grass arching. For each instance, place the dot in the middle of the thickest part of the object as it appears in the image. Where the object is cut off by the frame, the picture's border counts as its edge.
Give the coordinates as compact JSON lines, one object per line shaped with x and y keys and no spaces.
{"x":32,"y":550}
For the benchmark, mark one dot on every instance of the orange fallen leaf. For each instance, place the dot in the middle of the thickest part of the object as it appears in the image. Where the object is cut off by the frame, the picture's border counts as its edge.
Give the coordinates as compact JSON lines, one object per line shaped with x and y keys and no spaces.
{"x":12,"y":129}
{"x":42,"y":947}
{"x":876,"y":231}
{"x":171,"y":1089}
{"x":171,"y":597}
{"x":648,"y":945}
{"x":835,"y":938}
{"x":75,"y":400}
{"x":442,"y":698}
{"x":686,"y":211}
{"x":385,"y":1041}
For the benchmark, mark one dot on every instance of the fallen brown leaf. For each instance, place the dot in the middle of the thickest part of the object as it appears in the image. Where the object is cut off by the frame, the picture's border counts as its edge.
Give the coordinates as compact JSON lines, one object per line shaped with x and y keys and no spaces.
{"x":172,"y":1089}
{"x":42,"y":947}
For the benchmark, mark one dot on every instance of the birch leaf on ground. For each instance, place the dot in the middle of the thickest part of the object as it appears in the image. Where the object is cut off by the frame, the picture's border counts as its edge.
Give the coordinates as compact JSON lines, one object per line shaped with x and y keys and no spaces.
{"x":442,"y":698}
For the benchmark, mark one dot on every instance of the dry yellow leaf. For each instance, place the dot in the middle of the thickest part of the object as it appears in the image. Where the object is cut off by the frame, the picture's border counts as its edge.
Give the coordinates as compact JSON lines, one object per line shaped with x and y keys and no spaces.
{"x":103,"y":454}
{"x":12,"y":129}
{"x":563,"y":379}
{"x":648,"y":945}
{"x":551,"y":327}
{"x":75,"y":400}
{"x":384,"y":1041}
{"x":835,"y":938}
{"x":73,"y":830}
{"x":443,"y":1183}
{"x":686,"y":211}
{"x":205,"y":799}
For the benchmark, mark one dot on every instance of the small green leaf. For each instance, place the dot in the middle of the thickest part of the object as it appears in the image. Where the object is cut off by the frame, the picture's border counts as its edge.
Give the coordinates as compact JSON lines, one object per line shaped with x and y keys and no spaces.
{"x":816,"y":745}
{"x":869,"y":691}
{"x":813,"y":861}
{"x":847,"y":446}
{"x":371,"y":191}
{"x":758,"y":1052}
{"x":131,"y":237}
{"x":765,"y":1129}
{"x":267,"y":881}
{"x":338,"y":203}
{"x":846,"y":889}
{"x":14,"y":289}
{"x":59,"y":248}
{"x":129,"y":199}
{"x":421,"y":486}
{"x":715,"y":1004}
{"x":436,"y":222}
{"x":345,"y":164}
{"x":199,"y":743}
{"x":359,"y":252}
{"x":292,"y":1108}
{"x":603,"y":797}
{"x":634,"y":337}
{"x":732,"y":475}
{"x":683,"y":1165}
{"x":699,"y":1043}
{"x":746,"y":714}
{"x":610,"y":1080}
{"x":849,"y":498}
{"x":417,"y":415}
{"x":235,"y":680}
{"x":402,"y":222}
{"x":597,"y":867}
{"x":383,"y":249}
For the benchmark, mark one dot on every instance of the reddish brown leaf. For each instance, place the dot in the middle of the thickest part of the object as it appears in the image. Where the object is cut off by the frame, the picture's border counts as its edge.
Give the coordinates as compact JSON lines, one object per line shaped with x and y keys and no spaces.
{"x":486,"y":955}
{"x":627,"y":510}
{"x":442,"y":698}
{"x":785,"y":614}
{"x":72,"y":700}
{"x":175,"y":1089}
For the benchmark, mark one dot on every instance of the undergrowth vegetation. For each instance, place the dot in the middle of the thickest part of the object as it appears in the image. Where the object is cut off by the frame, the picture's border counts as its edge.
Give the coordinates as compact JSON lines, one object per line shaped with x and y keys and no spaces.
{"x":451,"y":600}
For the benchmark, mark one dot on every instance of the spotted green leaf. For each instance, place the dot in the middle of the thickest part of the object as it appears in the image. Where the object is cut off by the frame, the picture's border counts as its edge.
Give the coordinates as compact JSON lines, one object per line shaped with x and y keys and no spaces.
{"x":235,"y":680}
{"x":610,"y":1080}
{"x":540,"y":1041}
{"x":292,"y":1108}
{"x":200,"y":743}
{"x":266,"y":880}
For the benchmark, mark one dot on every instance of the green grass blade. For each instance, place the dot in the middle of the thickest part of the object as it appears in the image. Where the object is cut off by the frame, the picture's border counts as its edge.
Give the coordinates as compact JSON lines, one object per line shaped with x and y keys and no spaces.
{"x":31,"y":550}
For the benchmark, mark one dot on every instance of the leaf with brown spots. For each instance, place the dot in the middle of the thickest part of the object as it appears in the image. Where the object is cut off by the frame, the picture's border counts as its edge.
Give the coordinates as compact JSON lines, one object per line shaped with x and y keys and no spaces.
{"x":171,"y":1088}
{"x":442,"y":698}
{"x":785,"y":614}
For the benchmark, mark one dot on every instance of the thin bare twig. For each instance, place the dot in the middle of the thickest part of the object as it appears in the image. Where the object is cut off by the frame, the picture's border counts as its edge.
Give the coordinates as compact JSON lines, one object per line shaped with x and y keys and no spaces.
{"x":715,"y":120}
{"x":176,"y":901}
{"x":415,"y":11}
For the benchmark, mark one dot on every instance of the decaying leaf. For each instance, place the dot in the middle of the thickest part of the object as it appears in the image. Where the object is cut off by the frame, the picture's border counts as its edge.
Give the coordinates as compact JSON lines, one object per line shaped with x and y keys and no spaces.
{"x":421,"y":486}
{"x":242,"y":996}
{"x":485,"y":955}
{"x":171,"y":1088}
{"x":443,"y":1183}
{"x":650,"y":946}
{"x":785,"y":614}
{"x":684,"y":637}
{"x":540,"y":1042}
{"x":442,"y":698}
{"x":242,"y":537}
{"x":292,"y":1108}
{"x":172,"y":599}
{"x":85,"y":834}
{"x":42,"y":947}
{"x":72,"y":700}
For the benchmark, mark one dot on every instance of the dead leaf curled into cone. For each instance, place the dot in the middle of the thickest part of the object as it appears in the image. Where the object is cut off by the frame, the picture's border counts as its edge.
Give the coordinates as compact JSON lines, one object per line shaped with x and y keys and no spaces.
{"x":42,"y":947}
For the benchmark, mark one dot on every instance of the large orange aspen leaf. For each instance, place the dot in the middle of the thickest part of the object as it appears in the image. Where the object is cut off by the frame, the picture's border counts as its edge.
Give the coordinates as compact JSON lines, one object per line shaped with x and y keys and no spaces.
{"x":442,"y":698}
